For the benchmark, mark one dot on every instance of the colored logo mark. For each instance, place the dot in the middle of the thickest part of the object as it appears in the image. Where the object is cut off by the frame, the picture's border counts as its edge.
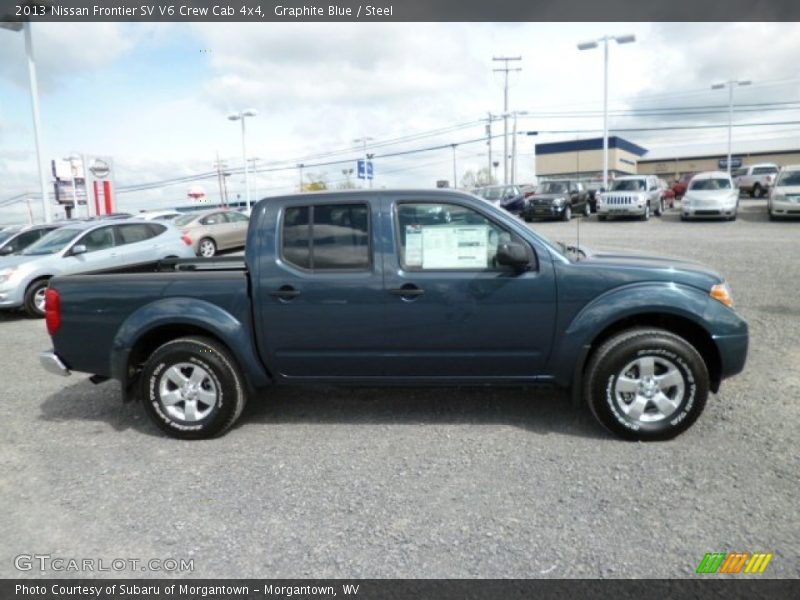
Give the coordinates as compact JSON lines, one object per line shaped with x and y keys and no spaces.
{"x":734,"y":562}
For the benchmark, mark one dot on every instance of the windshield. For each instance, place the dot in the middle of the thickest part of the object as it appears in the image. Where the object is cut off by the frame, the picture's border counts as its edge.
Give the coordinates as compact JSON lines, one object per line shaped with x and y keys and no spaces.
{"x":786,"y":178}
{"x":553,"y":187}
{"x":628,"y":185}
{"x":8,"y":232}
{"x":55,"y":241}
{"x":185,"y":219}
{"x":706,"y":185}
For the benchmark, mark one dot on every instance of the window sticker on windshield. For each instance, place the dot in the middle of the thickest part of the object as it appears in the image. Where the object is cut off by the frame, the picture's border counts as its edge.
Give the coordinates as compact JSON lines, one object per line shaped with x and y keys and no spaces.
{"x":413,"y":246}
{"x":455,"y":247}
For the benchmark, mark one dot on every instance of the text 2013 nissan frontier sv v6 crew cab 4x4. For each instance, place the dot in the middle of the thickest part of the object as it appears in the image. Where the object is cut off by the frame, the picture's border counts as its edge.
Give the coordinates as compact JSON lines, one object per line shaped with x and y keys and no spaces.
{"x":386,"y":288}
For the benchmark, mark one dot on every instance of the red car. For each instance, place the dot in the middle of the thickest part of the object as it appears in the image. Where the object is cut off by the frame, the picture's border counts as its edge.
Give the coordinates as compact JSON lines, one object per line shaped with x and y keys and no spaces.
{"x":679,"y":187}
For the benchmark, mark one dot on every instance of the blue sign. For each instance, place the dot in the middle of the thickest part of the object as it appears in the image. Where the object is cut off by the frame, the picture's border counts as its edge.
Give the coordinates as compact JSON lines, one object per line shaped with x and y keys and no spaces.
{"x":736,"y":162}
{"x":369,"y":173}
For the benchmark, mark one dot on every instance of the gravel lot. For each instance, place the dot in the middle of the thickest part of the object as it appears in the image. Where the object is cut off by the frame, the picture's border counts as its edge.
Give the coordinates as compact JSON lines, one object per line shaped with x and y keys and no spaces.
{"x":421,"y":483}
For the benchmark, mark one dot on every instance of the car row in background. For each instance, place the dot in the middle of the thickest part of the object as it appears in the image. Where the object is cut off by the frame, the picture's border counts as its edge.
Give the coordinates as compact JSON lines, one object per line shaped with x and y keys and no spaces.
{"x":82,"y":247}
{"x":15,"y":238}
{"x":635,"y":195}
{"x":213,"y":230}
{"x":710,"y":194}
{"x":509,"y":197}
{"x":756,"y":180}
{"x":557,"y":199}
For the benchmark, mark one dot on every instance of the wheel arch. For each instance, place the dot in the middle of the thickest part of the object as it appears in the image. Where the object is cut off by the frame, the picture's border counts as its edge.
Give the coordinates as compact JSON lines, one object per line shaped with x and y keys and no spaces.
{"x":172,"y":318}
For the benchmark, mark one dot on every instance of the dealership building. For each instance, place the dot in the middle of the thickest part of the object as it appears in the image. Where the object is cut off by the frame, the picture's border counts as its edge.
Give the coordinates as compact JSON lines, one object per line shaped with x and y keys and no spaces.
{"x":583,"y":159}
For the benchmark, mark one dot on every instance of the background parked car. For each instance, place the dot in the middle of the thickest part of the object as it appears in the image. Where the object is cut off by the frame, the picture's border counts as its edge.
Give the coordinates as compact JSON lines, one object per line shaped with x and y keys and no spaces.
{"x":18,"y":237}
{"x":679,"y":187}
{"x":633,"y":195}
{"x":592,"y":189}
{"x":784,"y":199}
{"x":667,"y":194}
{"x":509,"y":197}
{"x":757,"y":179}
{"x":557,"y":199}
{"x":711,"y":194}
{"x":213,"y":230}
{"x":159,"y":215}
{"x":80,"y":248}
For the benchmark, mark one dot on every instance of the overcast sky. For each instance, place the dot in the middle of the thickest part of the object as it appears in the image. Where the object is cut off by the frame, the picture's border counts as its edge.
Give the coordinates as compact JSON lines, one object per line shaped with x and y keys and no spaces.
{"x":155,"y":96}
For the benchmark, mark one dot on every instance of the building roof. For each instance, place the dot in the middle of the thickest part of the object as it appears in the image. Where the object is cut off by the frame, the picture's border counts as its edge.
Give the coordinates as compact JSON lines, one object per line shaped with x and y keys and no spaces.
{"x":589,"y":144}
{"x":713,"y":150}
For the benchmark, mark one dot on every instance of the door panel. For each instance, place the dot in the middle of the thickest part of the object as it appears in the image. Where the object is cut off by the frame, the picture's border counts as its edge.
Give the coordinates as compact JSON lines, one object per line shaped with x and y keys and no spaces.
{"x":467,"y":322}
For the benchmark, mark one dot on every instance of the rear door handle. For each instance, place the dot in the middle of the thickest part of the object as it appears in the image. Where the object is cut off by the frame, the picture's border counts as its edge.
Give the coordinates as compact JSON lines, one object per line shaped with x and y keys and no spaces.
{"x":409,"y":290}
{"x":285,"y":292}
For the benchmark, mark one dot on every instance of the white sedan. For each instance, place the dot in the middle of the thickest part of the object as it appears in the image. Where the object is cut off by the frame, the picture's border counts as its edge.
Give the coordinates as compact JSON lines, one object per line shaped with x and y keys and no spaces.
{"x":710,"y":195}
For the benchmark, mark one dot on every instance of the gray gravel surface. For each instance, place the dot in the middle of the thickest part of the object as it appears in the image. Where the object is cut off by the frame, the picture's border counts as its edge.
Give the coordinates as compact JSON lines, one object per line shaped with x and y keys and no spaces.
{"x":425,"y":483}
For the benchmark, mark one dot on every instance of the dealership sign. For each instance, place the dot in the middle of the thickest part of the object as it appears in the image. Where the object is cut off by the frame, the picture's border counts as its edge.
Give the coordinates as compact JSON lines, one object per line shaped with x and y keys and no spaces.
{"x":736,"y":162}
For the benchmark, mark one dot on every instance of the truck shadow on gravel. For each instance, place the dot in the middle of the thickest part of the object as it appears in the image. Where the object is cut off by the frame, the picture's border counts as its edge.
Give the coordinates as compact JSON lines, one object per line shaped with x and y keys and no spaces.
{"x":539,"y":410}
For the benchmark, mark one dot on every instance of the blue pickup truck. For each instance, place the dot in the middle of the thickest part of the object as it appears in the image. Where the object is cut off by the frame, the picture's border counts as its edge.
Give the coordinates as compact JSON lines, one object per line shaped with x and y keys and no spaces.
{"x":388,"y":288}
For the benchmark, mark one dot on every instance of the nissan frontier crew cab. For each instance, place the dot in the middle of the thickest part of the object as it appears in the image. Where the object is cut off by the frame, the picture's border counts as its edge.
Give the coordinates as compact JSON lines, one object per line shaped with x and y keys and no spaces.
{"x":389,"y":288}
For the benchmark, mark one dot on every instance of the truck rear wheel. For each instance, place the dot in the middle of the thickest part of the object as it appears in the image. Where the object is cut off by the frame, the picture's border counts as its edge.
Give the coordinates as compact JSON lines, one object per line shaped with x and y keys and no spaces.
{"x":192,"y":388}
{"x":646,"y":384}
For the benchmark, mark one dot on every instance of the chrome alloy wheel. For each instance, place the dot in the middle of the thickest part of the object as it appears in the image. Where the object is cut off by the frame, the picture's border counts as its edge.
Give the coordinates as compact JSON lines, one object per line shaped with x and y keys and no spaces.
{"x":649,"y":389}
{"x":207,"y":249}
{"x":187,"y":392}
{"x":39,"y":299}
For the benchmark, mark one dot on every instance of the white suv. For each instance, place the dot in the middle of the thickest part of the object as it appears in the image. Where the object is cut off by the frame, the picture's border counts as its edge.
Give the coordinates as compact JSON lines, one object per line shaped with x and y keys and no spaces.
{"x":634,"y":195}
{"x":784,"y":200}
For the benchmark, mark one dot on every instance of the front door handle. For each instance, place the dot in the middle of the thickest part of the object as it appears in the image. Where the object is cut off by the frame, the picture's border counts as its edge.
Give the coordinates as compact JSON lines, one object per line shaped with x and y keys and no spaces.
{"x":285,"y":292}
{"x":408,"y":291}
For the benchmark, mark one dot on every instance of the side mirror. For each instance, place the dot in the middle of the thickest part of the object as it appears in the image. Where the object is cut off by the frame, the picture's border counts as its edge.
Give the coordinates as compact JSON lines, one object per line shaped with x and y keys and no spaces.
{"x":6,"y":250}
{"x":512,"y":254}
{"x":78,"y":249}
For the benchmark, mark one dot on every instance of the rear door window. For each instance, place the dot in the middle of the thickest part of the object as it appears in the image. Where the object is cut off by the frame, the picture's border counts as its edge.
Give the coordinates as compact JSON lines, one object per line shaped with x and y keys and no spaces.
{"x":130,"y":234}
{"x":98,"y":239}
{"x":327,"y":237}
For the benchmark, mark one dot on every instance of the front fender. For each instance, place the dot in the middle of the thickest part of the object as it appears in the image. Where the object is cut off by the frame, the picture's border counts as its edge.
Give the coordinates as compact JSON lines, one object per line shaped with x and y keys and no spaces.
{"x":616,"y":305}
{"x":192,"y":312}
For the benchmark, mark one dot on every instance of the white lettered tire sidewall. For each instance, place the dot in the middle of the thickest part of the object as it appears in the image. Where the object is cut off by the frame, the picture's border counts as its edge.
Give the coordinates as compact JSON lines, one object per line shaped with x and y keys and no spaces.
{"x":607,"y":364}
{"x":213,"y":358}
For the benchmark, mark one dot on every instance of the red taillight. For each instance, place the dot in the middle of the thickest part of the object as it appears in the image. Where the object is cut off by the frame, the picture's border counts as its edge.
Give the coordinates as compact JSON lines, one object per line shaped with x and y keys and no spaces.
{"x":186,"y":240}
{"x":52,"y":310}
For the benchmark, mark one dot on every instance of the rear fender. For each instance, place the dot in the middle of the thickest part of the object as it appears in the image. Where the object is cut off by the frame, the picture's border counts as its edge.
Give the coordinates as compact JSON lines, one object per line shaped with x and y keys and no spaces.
{"x":200,"y":316}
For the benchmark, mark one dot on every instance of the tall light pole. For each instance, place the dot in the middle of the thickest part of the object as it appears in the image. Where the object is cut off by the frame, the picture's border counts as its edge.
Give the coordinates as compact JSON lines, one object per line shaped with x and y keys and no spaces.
{"x":455,"y":171}
{"x":505,"y":69}
{"x":364,"y":140}
{"x":254,"y":160}
{"x":515,"y":114}
{"x":620,"y":39}
{"x":37,"y":125}
{"x":730,"y":84}
{"x":241,"y":116}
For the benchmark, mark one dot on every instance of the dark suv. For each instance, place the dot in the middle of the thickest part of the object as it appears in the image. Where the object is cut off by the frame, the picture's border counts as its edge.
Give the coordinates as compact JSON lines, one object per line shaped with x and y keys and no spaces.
{"x":557,"y":199}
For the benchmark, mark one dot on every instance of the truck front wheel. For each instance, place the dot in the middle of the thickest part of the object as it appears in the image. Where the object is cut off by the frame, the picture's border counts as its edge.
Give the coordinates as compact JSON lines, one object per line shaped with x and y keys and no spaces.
{"x":646,"y":384}
{"x":192,"y":388}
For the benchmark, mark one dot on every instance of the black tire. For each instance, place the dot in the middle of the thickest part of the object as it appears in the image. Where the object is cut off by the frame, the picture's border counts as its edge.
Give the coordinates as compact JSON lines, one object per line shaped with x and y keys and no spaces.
{"x":674,"y":360}
{"x":646,"y":215}
{"x":772,"y":216}
{"x":33,"y":296}
{"x":527,"y":218}
{"x":587,"y":210}
{"x":566,"y":215}
{"x":206,"y":247}
{"x":216,"y":374}
{"x":601,"y":217}
{"x":660,"y":208}
{"x":756,"y":191}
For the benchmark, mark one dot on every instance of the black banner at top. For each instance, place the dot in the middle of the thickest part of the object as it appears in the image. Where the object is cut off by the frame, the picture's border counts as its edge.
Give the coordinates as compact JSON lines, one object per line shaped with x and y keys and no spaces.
{"x":256,"y":11}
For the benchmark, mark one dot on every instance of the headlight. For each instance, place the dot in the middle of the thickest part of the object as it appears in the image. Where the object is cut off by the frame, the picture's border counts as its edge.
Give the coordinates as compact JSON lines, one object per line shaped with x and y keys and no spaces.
{"x":687,"y":200}
{"x":559,"y":200}
{"x":722,"y":293}
{"x":6,"y":274}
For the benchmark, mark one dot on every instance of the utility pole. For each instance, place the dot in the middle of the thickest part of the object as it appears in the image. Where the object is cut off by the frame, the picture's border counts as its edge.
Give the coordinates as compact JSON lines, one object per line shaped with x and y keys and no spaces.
{"x":506,"y":70}
{"x":300,"y":167}
{"x":489,"y":139}
{"x":255,"y":177}
{"x":455,"y":171}
{"x":220,"y":166}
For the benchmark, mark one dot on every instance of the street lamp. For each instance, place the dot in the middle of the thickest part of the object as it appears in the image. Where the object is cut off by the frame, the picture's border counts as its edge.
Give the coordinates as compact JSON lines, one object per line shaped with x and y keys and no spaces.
{"x":620,"y":39}
{"x":241,"y":116}
{"x":730,"y":85}
{"x":364,"y":140}
{"x":37,"y":126}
